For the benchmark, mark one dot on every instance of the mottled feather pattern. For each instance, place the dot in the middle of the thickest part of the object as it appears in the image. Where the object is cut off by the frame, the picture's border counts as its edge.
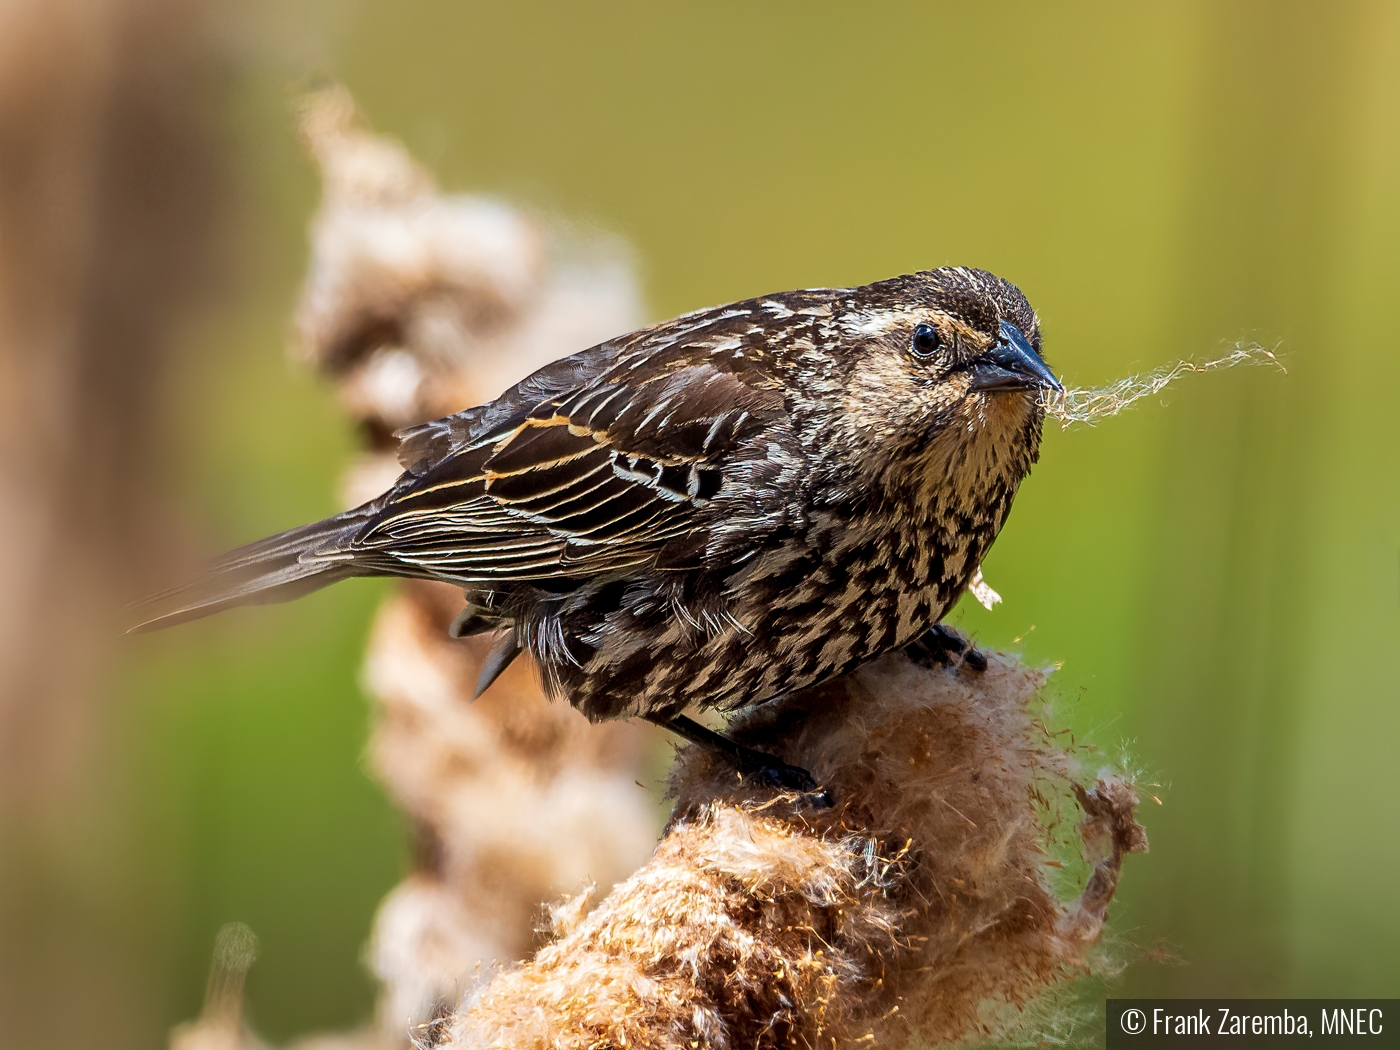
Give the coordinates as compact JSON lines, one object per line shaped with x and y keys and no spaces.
{"x":736,"y":503}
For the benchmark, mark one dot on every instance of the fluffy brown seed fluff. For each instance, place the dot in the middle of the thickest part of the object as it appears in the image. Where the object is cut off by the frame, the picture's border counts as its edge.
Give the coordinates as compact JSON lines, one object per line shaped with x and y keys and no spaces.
{"x":918,"y":911}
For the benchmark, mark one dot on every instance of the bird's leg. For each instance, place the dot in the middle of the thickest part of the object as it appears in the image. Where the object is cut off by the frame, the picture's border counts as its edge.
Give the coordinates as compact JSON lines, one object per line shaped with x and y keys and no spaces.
{"x":763,"y":767}
{"x":945,"y":647}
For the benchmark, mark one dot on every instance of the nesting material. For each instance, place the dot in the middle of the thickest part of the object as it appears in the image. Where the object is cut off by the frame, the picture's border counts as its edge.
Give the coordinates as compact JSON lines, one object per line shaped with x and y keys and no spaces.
{"x":917,"y":911}
{"x":982,"y":591}
{"x":1090,"y":405}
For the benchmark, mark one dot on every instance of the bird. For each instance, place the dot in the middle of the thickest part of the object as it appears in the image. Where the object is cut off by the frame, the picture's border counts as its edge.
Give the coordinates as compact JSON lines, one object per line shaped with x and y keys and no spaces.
{"x":710,"y":512}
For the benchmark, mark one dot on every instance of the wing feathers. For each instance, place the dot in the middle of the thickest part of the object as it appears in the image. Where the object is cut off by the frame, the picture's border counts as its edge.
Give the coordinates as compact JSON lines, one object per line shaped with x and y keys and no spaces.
{"x":539,"y":445}
{"x":528,"y":488}
{"x":584,"y":480}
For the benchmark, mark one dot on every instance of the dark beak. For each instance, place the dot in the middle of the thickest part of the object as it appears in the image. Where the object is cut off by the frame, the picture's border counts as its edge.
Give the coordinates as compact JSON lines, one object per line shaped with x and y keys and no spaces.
{"x":1012,"y":364}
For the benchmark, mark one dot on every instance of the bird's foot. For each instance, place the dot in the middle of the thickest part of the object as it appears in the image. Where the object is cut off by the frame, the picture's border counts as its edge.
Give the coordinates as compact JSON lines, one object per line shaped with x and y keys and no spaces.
{"x":759,"y":766}
{"x":943,"y":646}
{"x":771,"y":771}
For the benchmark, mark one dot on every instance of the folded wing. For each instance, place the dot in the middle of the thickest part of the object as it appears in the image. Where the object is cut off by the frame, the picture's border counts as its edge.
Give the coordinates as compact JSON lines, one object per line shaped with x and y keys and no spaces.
{"x":588,"y":481}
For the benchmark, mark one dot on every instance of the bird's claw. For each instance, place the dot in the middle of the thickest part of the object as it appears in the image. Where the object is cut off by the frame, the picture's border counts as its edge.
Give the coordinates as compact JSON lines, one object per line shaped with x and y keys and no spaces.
{"x":759,"y":766}
{"x":771,"y":772}
{"x":946,"y":647}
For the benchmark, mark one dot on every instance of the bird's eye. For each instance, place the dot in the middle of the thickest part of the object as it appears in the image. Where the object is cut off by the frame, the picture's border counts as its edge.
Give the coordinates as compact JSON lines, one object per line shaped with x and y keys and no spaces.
{"x":926,"y":340}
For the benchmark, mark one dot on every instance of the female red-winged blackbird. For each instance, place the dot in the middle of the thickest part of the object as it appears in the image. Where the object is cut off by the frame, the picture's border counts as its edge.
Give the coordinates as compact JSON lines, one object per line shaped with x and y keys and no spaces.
{"x":712,"y":511}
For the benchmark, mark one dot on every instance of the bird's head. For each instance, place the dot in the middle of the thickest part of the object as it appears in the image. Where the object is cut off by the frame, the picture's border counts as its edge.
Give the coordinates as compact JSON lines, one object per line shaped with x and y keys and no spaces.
{"x":942,"y":363}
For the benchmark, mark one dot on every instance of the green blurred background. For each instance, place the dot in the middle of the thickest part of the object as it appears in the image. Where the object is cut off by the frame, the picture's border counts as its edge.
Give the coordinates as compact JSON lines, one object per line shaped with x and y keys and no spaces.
{"x":1218,"y":571}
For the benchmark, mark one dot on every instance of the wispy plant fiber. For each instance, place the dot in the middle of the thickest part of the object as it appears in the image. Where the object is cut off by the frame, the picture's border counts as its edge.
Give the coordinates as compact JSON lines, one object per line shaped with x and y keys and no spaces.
{"x":1089,"y":405}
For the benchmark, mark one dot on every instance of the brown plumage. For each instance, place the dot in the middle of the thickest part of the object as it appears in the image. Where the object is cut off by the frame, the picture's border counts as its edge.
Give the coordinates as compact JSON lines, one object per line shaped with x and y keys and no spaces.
{"x":714,"y":510}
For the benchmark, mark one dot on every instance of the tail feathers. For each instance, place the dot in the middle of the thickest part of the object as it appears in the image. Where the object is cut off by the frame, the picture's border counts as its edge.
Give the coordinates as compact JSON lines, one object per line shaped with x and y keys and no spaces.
{"x":277,"y":569}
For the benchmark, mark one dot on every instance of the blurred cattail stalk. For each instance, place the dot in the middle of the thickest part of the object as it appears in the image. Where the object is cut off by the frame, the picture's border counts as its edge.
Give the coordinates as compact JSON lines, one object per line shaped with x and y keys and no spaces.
{"x":107,"y":205}
{"x":110,"y":173}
